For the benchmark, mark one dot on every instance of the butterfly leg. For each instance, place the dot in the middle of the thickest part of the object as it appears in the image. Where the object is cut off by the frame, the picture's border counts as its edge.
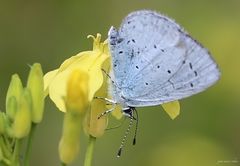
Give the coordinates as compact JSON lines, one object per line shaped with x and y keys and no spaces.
{"x":106,"y":99}
{"x":107,"y":112}
{"x":113,"y":82}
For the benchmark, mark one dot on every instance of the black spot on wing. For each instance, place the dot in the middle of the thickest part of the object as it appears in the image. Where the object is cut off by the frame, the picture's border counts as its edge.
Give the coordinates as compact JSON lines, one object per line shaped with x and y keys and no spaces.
{"x":196,"y":74}
{"x":190,"y":65}
{"x":191,"y":84}
{"x":119,"y":40}
{"x":132,"y":54}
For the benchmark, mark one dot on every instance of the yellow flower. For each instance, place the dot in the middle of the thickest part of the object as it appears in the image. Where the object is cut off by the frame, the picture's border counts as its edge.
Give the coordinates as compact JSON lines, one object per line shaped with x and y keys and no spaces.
{"x":92,"y":63}
{"x":55,"y":82}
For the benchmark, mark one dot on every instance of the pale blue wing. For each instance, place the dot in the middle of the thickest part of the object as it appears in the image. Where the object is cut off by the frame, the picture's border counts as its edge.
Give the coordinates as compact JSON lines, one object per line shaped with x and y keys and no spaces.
{"x":155,"y":61}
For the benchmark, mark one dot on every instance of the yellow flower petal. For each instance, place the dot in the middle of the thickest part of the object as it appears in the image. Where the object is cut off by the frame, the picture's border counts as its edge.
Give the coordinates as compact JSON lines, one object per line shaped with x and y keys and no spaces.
{"x":48,"y":79}
{"x":89,"y":61}
{"x":172,"y":108}
{"x":77,"y":92}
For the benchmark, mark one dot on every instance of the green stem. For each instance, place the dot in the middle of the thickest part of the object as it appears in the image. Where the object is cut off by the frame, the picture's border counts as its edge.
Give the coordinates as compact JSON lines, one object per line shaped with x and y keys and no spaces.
{"x":63,"y":164}
{"x":15,"y":159}
{"x":29,"y":145}
{"x":89,"y":152}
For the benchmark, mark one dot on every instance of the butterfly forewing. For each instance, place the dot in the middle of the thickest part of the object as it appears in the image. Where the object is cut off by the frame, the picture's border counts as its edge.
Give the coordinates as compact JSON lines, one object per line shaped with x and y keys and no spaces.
{"x":156,"y":61}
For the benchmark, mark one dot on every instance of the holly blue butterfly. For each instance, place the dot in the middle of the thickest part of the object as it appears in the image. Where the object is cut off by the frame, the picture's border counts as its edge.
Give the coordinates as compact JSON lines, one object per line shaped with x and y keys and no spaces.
{"x":154,"y":61}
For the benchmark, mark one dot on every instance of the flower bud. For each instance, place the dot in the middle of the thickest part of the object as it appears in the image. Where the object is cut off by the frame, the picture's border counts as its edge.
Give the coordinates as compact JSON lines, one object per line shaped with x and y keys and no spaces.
{"x":11,"y":107}
{"x":77,"y":104}
{"x":70,"y":141}
{"x":36,"y":87}
{"x":14,"y":90}
{"x":2,"y":123}
{"x":22,"y":122}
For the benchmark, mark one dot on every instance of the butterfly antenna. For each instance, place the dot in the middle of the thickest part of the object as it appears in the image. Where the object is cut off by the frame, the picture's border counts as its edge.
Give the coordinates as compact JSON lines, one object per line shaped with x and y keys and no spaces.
{"x":136,"y":129}
{"x":125,"y":137}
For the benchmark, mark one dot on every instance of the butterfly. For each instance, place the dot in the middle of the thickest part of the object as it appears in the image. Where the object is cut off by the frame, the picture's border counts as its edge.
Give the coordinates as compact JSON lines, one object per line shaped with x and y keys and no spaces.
{"x":155,"y":61}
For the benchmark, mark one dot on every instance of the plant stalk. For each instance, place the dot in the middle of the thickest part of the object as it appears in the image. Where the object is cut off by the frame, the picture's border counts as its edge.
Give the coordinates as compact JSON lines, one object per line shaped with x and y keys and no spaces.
{"x":29,"y":145}
{"x":89,"y":152}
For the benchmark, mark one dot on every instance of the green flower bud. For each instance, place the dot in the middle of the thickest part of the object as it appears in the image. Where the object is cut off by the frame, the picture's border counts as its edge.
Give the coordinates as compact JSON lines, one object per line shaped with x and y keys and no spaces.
{"x":36,"y":87}
{"x":14,"y":90}
{"x":7,"y":125}
{"x":2,"y":123}
{"x":11,"y":107}
{"x":22,"y":122}
{"x":70,"y":141}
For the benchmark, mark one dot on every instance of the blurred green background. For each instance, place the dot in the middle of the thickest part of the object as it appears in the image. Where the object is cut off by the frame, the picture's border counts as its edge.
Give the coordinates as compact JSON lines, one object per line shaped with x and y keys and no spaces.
{"x":207,"y":132}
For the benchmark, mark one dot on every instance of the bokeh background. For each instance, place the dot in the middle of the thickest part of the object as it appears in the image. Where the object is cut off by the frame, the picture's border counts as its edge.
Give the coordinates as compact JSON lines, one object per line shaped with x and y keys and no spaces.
{"x":207,"y":132}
